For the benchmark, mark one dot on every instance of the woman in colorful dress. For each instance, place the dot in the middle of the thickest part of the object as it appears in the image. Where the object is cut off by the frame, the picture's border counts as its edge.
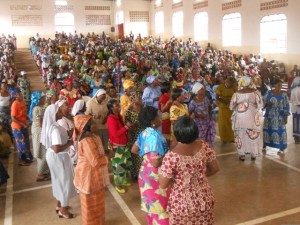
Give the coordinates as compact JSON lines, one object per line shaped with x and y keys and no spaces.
{"x":118,"y":140}
{"x":36,"y":114}
{"x":277,"y":110}
{"x":178,"y":108}
{"x":5,"y":103}
{"x":164,"y":105}
{"x":224,"y":93}
{"x":246,"y":124}
{"x":201,"y":108}
{"x":57,"y":142}
{"x":24,"y":85}
{"x":20,"y":130}
{"x":132,"y":116}
{"x":152,"y":146}
{"x":91,"y":163}
{"x":125,"y":99}
{"x":187,"y":167}
{"x":69,"y":92}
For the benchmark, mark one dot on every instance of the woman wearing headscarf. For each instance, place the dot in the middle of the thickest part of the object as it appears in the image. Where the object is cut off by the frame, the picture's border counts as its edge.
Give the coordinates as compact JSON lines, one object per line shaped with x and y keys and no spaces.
{"x":295,"y":107}
{"x":5,"y":103}
{"x":79,"y":107}
{"x":224,"y":93}
{"x":277,"y":111}
{"x":92,"y":163}
{"x":125,"y":100}
{"x":36,"y":114}
{"x":118,"y":140}
{"x":57,"y":142}
{"x":151,"y":146}
{"x":20,"y":130}
{"x":51,"y":97}
{"x":24,"y":85}
{"x":70,"y":93}
{"x":97,"y":107}
{"x":246,"y":123}
{"x":201,"y":108}
{"x":151,"y":93}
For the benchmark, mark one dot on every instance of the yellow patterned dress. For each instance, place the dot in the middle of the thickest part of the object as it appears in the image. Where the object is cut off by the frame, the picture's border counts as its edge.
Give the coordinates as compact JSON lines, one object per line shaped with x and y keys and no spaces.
{"x":175,"y":113}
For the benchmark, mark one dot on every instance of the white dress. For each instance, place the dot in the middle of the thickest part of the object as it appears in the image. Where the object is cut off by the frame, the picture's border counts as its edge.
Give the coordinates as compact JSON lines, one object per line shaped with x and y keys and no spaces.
{"x":61,"y":167}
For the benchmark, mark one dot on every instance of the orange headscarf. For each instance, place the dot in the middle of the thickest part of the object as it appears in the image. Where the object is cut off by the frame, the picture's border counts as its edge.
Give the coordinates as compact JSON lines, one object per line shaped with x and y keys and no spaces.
{"x":79,"y":123}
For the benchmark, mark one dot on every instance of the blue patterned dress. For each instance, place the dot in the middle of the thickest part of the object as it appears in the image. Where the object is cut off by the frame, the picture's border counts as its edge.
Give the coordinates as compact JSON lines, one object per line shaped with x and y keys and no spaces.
{"x":274,"y":124}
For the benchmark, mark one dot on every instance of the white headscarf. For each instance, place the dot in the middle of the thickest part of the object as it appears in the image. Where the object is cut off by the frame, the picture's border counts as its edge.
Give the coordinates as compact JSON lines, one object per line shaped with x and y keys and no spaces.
{"x":48,"y":120}
{"x":60,"y":102}
{"x":197,"y":87}
{"x":99,"y":92}
{"x":77,"y":107}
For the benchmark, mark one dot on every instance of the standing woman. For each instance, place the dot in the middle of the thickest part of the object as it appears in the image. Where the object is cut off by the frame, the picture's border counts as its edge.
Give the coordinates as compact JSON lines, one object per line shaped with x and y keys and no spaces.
{"x":178,"y":108}
{"x":125,"y":99}
{"x":5,"y":103}
{"x":24,"y":85}
{"x":187,"y":167}
{"x":295,"y":109}
{"x":246,"y":124}
{"x":201,"y":108}
{"x":118,"y":140}
{"x":164,"y":105}
{"x":57,"y":142}
{"x":277,"y":110}
{"x":152,"y":146}
{"x":36,"y":113}
{"x":224,"y":93}
{"x":20,"y":130}
{"x":151,"y":93}
{"x":92,"y":163}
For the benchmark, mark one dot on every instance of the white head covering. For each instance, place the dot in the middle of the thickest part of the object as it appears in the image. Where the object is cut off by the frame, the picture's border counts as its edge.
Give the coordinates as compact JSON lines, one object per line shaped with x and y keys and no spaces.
{"x":150,"y":79}
{"x":197,"y":87}
{"x":48,"y":120}
{"x":99,"y":92}
{"x":77,"y":107}
{"x":60,"y":102}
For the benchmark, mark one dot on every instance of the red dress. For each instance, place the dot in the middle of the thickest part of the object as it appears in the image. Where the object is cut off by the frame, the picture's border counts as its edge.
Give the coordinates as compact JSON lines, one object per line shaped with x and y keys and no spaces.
{"x":191,"y":200}
{"x":166,"y":122}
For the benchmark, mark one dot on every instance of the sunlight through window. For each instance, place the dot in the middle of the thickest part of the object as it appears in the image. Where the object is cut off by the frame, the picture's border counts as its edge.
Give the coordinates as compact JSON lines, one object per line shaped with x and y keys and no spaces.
{"x":177,"y":24}
{"x":231,"y":29}
{"x":159,"y":22}
{"x":273,"y":32}
{"x":201,"y":26}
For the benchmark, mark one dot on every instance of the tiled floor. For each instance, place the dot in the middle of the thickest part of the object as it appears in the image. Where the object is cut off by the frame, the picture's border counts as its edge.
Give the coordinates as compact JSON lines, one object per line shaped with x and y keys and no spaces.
{"x":265,"y":191}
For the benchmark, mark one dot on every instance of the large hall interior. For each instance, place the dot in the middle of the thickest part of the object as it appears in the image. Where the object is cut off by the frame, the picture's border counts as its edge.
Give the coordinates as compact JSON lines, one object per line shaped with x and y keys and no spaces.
{"x":108,"y":62}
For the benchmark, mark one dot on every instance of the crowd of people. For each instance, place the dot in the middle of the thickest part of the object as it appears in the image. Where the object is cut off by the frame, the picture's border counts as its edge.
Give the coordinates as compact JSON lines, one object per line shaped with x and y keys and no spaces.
{"x":149,"y":108}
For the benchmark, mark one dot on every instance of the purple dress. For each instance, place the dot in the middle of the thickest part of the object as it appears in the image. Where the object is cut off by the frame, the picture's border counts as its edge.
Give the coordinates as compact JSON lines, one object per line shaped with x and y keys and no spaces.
{"x":206,"y":126}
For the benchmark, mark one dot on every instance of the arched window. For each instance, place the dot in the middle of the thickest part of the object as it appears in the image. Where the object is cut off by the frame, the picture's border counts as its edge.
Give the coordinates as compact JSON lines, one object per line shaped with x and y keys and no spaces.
{"x":159,"y":22}
{"x":177,"y":24}
{"x":64,"y":22}
{"x":120,"y":17}
{"x":201,"y":26}
{"x":176,"y":1}
{"x":231,"y":29}
{"x":273,"y":32}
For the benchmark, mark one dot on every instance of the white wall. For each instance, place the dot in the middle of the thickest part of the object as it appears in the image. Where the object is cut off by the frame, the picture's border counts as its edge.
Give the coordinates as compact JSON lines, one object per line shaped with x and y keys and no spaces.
{"x":251,"y":16}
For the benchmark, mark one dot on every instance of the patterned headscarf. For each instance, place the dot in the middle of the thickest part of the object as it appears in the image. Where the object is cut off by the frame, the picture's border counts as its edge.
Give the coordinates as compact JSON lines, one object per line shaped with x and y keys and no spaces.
{"x":50,"y":93}
{"x":79,"y":123}
{"x":35,"y":99}
{"x":244,"y":82}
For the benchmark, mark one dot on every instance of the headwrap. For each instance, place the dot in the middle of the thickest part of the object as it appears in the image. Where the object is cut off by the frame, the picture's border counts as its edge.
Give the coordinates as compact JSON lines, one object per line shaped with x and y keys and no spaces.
{"x":48,"y":121}
{"x":99,"y":92}
{"x":79,"y":123}
{"x":35,"y":99}
{"x":60,"y":102}
{"x":22,"y":73}
{"x":77,"y":107}
{"x":150,"y":79}
{"x":68,"y":81}
{"x":127,"y":84}
{"x":244,"y":82}
{"x":197,"y":87}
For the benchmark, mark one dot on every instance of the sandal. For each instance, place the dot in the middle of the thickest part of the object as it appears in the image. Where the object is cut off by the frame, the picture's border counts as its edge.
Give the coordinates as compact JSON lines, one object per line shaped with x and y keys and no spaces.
{"x":58,"y":208}
{"x":70,"y":216}
{"x":126,"y":184}
{"x":253,"y":158}
{"x":120,"y":190}
{"x":242,"y":158}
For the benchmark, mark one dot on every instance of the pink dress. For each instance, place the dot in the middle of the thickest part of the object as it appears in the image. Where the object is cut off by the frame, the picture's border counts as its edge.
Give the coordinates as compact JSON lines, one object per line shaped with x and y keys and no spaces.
{"x":191,"y":200}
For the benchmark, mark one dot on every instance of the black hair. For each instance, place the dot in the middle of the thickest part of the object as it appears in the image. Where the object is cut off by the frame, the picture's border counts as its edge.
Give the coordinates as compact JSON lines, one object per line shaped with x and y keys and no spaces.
{"x":276,"y":81}
{"x":185,"y":130}
{"x":88,"y":125}
{"x":165,"y":87}
{"x":147,"y":115}
{"x":176,"y":92}
{"x":110,"y":105}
